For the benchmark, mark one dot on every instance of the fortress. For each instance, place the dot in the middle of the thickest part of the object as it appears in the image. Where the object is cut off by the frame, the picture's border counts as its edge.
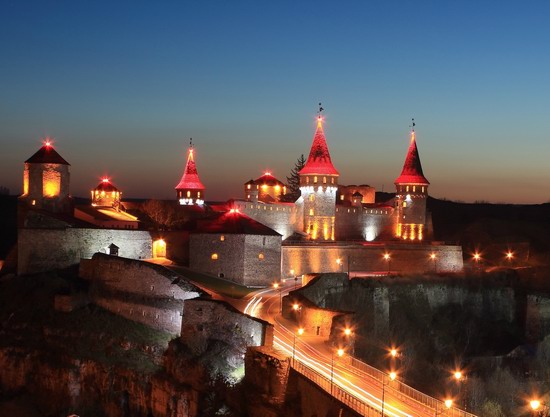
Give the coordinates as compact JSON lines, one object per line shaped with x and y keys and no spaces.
{"x":255,"y":240}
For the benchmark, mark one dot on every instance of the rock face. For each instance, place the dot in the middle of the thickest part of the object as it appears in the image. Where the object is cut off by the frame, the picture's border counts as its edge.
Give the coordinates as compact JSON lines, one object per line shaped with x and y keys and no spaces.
{"x":66,"y":386}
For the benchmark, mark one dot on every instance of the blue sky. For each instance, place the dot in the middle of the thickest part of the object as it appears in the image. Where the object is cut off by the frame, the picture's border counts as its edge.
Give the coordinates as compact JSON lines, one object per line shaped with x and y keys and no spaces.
{"x":121,"y":86}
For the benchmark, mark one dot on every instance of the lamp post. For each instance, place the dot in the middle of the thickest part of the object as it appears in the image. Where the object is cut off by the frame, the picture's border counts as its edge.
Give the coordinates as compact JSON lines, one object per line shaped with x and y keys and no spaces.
{"x":387,"y":258}
{"x":299,"y":332}
{"x":348,"y":333}
{"x":277,"y":286}
{"x":391,"y":377}
{"x":509,"y":256}
{"x":340,"y":263}
{"x":448,"y":404}
{"x":340,"y":353}
{"x":297,"y":308}
{"x":433,"y":257}
{"x":477,"y":259}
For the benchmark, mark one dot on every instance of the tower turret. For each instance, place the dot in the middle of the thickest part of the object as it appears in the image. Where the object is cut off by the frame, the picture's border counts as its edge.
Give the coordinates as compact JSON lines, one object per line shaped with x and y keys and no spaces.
{"x":46,"y":180}
{"x":190,"y":190}
{"x":318,"y":185}
{"x":106,"y":195}
{"x":411,"y":195}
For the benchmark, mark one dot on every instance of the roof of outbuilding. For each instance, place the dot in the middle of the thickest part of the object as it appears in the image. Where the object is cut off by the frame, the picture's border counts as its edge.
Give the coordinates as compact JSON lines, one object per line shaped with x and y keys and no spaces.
{"x":234,"y":222}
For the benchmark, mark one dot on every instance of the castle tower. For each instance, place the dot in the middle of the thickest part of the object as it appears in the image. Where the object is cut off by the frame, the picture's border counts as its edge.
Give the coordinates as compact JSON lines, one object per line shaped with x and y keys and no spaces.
{"x":106,"y":195}
{"x":190,"y":190}
{"x":318,"y":185}
{"x":411,"y":196}
{"x":46,"y":180}
{"x":266,"y":188}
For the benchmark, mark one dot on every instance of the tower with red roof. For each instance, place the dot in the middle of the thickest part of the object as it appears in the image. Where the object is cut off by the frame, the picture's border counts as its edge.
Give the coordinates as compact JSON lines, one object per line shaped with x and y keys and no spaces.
{"x":190,"y":190}
{"x":46,"y":180}
{"x":106,"y":195}
{"x":411,"y":195}
{"x":318,"y":186}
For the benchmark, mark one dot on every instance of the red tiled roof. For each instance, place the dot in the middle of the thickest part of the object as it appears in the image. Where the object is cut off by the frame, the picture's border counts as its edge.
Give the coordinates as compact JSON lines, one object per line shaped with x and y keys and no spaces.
{"x":190,"y":179}
{"x":319,"y":161}
{"x":46,"y":155}
{"x":412,"y":168}
{"x":234,"y":222}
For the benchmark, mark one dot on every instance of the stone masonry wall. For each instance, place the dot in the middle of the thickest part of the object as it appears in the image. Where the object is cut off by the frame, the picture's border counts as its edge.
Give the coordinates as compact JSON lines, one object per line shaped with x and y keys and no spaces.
{"x":207,"y":319}
{"x":368,"y":258}
{"x":46,"y":249}
{"x":283,"y":218}
{"x":139,"y":291}
{"x":262,"y":271}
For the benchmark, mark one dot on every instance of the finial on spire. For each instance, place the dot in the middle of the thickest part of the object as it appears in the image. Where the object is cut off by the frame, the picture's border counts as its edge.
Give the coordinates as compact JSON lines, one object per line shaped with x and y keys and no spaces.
{"x":191,"y":143}
{"x":320,"y":109}
{"x":413,"y":124}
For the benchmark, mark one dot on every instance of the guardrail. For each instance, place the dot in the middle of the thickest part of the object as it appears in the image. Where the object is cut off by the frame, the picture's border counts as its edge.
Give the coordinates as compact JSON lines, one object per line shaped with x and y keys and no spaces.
{"x":334,"y":390}
{"x":396,"y":389}
{"x":399,"y":387}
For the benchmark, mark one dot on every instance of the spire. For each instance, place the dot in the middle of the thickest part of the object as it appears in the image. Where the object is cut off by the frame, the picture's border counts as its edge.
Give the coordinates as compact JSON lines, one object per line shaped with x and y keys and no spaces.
{"x":412,"y":168}
{"x":319,"y":161}
{"x":190,"y":179}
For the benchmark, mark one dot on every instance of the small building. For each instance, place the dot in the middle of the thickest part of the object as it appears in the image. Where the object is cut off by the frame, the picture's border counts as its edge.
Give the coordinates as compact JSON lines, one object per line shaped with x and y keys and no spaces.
{"x":237,"y":248}
{"x":266,"y":188}
{"x":106,"y":210}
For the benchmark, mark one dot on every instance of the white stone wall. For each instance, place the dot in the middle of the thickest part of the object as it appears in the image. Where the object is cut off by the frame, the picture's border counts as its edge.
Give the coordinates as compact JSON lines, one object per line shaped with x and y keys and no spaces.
{"x":46,"y":249}
{"x":283,"y":218}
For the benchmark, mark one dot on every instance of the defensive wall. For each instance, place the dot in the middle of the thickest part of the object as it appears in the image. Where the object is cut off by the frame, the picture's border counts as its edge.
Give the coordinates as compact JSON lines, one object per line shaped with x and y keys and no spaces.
{"x":363,"y":223}
{"x":208,"y":319}
{"x":377,"y":303}
{"x":139,"y":291}
{"x":283,"y":218}
{"x":46,"y":249}
{"x":358,"y":258}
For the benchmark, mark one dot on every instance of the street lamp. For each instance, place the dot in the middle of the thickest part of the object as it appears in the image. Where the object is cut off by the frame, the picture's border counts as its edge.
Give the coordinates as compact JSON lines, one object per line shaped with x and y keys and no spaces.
{"x":433,"y":257}
{"x":347,"y":334}
{"x":277,"y":286}
{"x":477,"y":259}
{"x":340,"y":353}
{"x":297,"y":308}
{"x":538,"y":407}
{"x":295,"y":278}
{"x":391,"y":377}
{"x":448,"y":404}
{"x":459,"y":377}
{"x":509,"y":256}
{"x":340,"y":263}
{"x":387,"y":258}
{"x":299,"y":332}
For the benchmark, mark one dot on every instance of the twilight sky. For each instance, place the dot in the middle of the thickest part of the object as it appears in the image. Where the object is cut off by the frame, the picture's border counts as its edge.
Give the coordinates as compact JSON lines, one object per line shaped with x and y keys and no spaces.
{"x":121,"y":86}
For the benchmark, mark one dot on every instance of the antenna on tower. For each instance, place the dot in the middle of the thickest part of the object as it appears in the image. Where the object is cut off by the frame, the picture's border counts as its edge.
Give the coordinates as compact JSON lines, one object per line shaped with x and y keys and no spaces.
{"x":320,"y":109}
{"x":191,"y":143}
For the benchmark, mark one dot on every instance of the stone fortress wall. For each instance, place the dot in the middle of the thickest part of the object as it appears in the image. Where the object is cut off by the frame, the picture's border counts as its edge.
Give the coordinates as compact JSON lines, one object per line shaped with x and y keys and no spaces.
{"x":371,"y":301}
{"x":283,"y":218}
{"x":46,"y":249}
{"x":368,"y":258}
{"x":206,"y":320}
{"x":363,"y":223}
{"x":138,"y":291}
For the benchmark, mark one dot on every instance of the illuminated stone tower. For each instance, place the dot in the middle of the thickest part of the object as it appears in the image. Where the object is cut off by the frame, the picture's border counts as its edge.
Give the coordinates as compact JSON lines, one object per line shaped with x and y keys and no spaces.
{"x":318,"y":185}
{"x":46,"y":180}
{"x":411,"y":196}
{"x":106,"y":195}
{"x":190,"y":190}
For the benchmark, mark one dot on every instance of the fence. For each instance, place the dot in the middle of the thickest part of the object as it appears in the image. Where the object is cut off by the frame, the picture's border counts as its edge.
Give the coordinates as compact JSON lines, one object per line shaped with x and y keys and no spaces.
{"x":397,"y":389}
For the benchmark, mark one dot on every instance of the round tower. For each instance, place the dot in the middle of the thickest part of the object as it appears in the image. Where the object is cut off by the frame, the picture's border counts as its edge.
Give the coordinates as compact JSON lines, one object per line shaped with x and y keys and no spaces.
{"x":46,"y":180}
{"x":411,"y":196}
{"x":318,"y":185}
{"x":106,"y":195}
{"x":190,"y":190}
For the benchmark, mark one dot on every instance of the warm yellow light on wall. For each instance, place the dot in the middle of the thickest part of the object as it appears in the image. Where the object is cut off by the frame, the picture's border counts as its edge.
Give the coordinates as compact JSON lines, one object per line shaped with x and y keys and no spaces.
{"x":51,"y":184}
{"x":25,"y":182}
{"x":214,"y":256}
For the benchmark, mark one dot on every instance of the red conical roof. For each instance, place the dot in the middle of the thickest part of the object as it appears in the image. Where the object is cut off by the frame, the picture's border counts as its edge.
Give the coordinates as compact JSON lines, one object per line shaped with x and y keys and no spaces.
{"x":319,"y":161}
{"x":190,"y":179}
{"x":412,"y":169}
{"x":47,"y":155}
